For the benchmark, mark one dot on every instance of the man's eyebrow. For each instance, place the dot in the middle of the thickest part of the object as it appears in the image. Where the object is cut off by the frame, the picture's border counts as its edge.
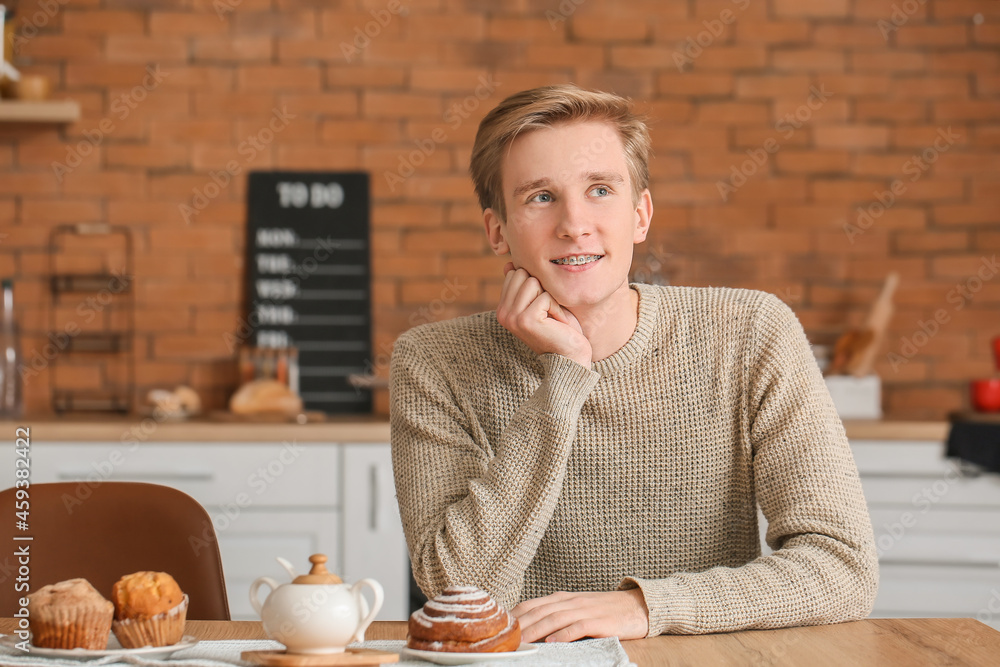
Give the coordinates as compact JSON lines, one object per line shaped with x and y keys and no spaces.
{"x":606,"y":177}
{"x":529,"y":186}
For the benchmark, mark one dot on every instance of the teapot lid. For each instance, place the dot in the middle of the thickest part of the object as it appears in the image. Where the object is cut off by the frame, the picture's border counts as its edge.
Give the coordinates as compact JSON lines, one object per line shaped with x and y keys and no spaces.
{"x":318,"y":574}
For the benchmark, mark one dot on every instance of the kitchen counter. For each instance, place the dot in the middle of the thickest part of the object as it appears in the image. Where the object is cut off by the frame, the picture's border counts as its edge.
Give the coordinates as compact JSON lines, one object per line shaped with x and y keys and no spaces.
{"x":349,"y":428}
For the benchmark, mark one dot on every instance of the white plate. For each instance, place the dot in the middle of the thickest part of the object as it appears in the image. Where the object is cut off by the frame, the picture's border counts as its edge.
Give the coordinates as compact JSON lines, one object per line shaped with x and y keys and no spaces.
{"x":445,"y":658}
{"x":113,"y":649}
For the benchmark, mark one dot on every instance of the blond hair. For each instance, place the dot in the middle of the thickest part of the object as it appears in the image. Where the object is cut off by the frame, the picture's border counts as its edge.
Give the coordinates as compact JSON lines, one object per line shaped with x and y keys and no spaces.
{"x":544,"y":107}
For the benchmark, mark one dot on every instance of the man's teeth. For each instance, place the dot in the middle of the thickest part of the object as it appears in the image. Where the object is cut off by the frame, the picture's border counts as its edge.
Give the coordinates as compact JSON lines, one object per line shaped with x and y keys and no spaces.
{"x":577,"y":259}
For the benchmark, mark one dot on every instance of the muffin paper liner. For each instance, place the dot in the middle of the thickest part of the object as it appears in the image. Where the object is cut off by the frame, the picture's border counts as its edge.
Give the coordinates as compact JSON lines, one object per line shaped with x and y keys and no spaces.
{"x":71,"y":628}
{"x":160,"y":630}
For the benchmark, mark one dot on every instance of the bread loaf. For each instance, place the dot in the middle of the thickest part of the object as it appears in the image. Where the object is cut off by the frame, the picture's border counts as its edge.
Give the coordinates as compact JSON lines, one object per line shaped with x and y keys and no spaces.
{"x":265,"y":397}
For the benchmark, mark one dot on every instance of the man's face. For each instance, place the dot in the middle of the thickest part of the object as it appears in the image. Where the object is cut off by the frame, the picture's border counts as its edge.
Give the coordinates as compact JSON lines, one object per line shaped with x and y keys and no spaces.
{"x":571,"y":222}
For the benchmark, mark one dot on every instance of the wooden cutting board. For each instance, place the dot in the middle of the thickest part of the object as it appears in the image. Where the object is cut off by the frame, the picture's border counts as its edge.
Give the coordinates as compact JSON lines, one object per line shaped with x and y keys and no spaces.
{"x":307,"y":417}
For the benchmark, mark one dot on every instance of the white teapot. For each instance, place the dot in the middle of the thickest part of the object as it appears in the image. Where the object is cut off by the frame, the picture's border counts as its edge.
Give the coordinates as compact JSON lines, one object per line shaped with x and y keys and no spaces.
{"x":317,"y":613}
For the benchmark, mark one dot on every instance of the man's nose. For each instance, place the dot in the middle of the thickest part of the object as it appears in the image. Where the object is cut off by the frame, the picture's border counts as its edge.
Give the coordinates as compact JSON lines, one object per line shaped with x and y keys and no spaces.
{"x":574,"y":219}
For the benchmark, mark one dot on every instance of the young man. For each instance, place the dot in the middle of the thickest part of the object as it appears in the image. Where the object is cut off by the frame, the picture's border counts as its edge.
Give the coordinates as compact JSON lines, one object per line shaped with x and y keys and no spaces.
{"x":593,"y":453}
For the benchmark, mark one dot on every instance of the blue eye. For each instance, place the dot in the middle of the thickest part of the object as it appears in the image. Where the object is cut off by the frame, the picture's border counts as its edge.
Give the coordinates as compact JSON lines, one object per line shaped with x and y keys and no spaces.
{"x":542,"y":197}
{"x":601,"y":191}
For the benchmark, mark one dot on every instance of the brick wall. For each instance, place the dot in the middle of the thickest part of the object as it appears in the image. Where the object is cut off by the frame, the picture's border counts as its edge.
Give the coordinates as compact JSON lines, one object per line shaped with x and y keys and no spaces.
{"x":779,"y":126}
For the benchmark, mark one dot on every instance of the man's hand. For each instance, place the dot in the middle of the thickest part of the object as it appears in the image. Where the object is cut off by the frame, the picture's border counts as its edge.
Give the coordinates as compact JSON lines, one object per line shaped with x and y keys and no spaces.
{"x":534,"y":316}
{"x":565,"y":617}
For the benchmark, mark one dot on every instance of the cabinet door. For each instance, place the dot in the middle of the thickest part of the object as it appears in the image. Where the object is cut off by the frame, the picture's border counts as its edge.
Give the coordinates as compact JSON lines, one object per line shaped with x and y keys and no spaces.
{"x":373,"y":543}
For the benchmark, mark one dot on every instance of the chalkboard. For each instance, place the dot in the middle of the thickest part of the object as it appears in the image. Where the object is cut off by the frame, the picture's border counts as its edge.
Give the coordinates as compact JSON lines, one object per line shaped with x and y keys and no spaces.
{"x":308,"y":279}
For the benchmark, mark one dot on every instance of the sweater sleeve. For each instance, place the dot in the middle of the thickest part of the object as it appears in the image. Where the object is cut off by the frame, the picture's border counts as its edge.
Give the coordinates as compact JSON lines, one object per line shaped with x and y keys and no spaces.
{"x":474,"y":512}
{"x":823,"y":568}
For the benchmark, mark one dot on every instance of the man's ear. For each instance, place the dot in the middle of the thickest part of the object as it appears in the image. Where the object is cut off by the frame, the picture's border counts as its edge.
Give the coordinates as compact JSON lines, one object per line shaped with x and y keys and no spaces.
{"x":643,"y":216}
{"x":496,"y":232}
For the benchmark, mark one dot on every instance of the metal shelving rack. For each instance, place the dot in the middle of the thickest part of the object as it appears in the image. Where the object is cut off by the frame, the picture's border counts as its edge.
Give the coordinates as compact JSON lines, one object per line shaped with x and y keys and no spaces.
{"x":111,"y":299}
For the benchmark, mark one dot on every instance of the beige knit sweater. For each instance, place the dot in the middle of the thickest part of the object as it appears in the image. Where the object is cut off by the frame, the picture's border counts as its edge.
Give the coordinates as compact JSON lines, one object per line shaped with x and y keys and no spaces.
{"x":527,"y":474}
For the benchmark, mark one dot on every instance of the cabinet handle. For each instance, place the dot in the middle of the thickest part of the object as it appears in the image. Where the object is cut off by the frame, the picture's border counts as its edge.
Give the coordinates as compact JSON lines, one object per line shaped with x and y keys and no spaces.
{"x":159,"y":477}
{"x":373,"y":499}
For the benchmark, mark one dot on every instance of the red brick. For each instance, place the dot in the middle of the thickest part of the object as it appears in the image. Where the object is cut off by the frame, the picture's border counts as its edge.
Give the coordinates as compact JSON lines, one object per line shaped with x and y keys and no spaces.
{"x":964,"y":9}
{"x":211,"y":105}
{"x":847,"y":191}
{"x":607,"y":29}
{"x":888,"y":61}
{"x":931,"y":241}
{"x":808,"y":60}
{"x":690,"y":35}
{"x":964,"y":61}
{"x":407,"y":215}
{"x":60,"y":47}
{"x":288,"y":24}
{"x":278,"y":77}
{"x":166,"y":155}
{"x":932,"y":35}
{"x":851,"y":136}
{"x":850,"y":36}
{"x":214,"y":79}
{"x":775,"y":85}
{"x":190,"y":347}
{"x":449,"y":26}
{"x":211,"y":131}
{"x":355,"y":29}
{"x":812,"y":162}
{"x":985,"y":110}
{"x":923,"y":136}
{"x":776,"y":189}
{"x":96,"y":74}
{"x":967,"y":214}
{"x":694,"y":84}
{"x":667,"y":111}
{"x":732,"y":58}
{"x":408,"y":52}
{"x":517,"y":29}
{"x":916,"y":111}
{"x":455,"y":79}
{"x":858,"y":85}
{"x":986,"y":33}
{"x":936,"y":189}
{"x":117,"y":184}
{"x":731,"y":113}
{"x":184,"y":24}
{"x":564,"y":55}
{"x":921,"y":87}
{"x":143,"y":49}
{"x":882,"y":10}
{"x":817,"y":8}
{"x":35,"y":211}
{"x":396,"y":105}
{"x":230,"y":49}
{"x":772,"y":32}
{"x":93,"y":21}
{"x":315,"y":157}
{"x":29,"y":183}
{"x":366,"y":76}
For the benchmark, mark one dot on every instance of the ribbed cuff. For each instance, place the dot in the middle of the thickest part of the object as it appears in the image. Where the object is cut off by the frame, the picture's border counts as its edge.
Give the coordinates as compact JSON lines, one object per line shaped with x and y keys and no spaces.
{"x":670,"y":606}
{"x":567,"y":384}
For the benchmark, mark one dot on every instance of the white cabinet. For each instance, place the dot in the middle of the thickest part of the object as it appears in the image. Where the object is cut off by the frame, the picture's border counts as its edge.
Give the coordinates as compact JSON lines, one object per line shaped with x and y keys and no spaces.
{"x":265,"y":500}
{"x":937,"y":530}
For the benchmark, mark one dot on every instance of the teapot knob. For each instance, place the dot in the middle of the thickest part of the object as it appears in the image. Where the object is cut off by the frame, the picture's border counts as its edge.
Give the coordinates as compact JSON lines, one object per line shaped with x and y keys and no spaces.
{"x":318,"y":564}
{"x":318,"y":574}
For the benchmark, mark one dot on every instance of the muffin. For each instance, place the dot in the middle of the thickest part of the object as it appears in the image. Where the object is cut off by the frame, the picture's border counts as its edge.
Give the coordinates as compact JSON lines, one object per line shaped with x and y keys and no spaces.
{"x":150,"y":610}
{"x":70,"y":614}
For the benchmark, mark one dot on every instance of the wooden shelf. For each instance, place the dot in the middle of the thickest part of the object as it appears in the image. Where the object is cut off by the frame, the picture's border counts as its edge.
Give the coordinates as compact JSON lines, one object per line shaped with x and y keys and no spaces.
{"x":62,"y":111}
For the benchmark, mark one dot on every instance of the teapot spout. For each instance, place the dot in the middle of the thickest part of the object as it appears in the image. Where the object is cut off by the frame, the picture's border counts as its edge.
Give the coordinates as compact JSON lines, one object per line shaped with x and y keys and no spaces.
{"x":288,"y":567}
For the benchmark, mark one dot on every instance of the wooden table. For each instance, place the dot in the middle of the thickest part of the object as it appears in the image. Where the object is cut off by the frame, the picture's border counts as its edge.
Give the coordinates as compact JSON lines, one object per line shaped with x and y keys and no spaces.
{"x":901,"y":641}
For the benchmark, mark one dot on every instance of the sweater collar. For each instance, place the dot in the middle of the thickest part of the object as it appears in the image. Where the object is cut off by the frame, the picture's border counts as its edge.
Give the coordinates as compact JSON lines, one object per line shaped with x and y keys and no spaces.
{"x":644,"y":329}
